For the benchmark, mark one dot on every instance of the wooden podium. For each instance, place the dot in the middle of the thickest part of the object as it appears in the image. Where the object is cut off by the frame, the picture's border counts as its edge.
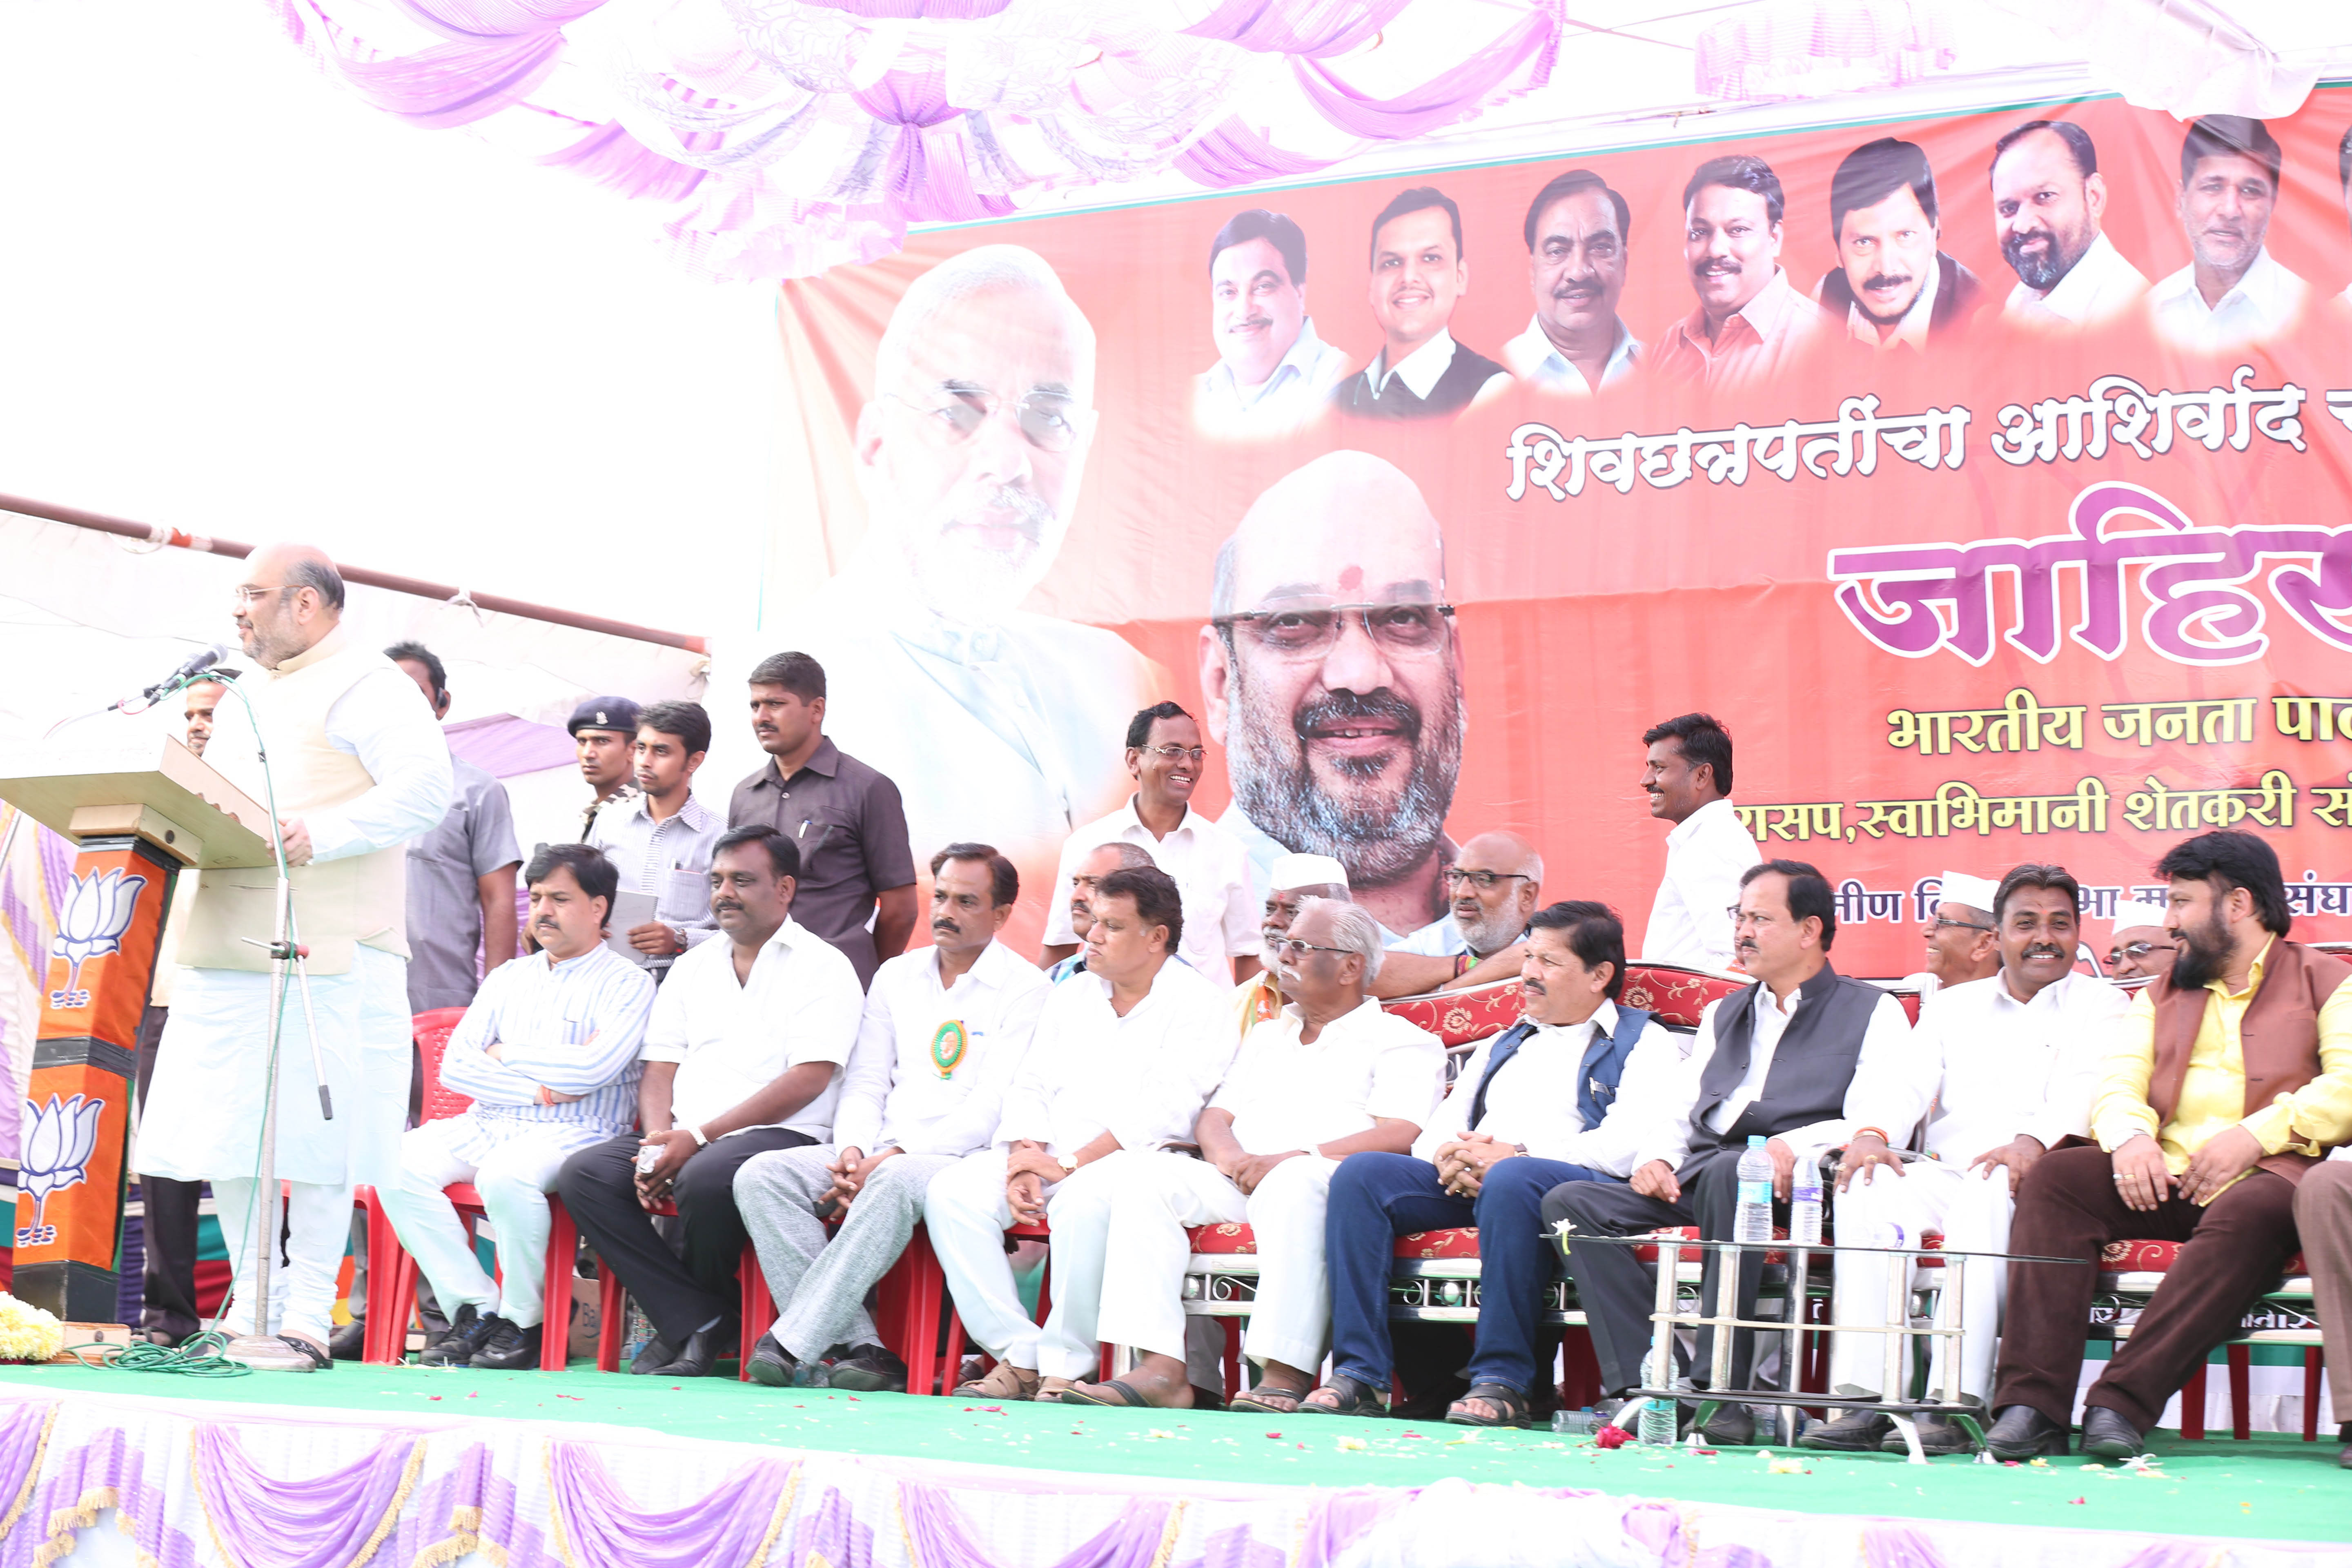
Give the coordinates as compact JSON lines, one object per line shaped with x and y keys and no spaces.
{"x":139,"y":811}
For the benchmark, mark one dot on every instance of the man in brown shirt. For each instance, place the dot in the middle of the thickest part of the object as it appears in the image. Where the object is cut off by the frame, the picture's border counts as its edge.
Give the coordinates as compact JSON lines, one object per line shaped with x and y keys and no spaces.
{"x":845,"y":817}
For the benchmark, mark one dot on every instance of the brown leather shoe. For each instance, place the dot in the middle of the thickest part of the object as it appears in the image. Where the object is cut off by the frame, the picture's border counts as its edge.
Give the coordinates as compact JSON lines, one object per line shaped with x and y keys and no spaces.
{"x":1002,"y":1381}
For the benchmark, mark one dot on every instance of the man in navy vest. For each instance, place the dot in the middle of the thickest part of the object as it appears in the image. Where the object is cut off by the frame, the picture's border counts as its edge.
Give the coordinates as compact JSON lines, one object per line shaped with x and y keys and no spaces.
{"x":1419,"y":275}
{"x":1562,"y":1096}
{"x":1805,"y":1057}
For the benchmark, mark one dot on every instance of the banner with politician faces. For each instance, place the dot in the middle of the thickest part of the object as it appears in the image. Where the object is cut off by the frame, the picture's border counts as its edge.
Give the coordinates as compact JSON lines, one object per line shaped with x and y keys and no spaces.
{"x":1986,"y":476}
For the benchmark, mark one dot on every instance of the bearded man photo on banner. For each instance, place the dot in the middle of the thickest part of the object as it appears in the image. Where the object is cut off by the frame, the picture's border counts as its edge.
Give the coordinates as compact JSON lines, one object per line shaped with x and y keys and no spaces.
{"x":359,"y":767}
{"x":1332,"y":677}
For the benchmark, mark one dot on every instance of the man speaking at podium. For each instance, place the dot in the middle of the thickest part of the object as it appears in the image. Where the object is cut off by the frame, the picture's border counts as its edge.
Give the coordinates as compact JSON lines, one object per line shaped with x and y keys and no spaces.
{"x":360,"y":767}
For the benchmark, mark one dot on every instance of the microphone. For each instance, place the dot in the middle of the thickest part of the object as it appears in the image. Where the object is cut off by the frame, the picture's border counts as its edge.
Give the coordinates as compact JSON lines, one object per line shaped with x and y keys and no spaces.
{"x":195,"y":664}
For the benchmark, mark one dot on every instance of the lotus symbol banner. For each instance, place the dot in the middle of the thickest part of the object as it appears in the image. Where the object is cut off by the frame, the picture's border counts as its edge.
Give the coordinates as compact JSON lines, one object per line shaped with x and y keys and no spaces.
{"x":59,"y":1139}
{"x":98,"y":911}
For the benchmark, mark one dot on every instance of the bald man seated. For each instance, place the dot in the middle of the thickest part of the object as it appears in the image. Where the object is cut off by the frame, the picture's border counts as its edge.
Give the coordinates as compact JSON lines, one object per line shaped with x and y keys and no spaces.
{"x":1494,"y":885}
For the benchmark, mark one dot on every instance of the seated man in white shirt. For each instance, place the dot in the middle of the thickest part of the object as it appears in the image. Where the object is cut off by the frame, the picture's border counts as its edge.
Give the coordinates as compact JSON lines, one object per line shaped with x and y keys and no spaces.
{"x":1123,"y":1057}
{"x":946,"y":1027}
{"x":1560,"y":1096}
{"x":742,"y":1055}
{"x":2007,"y":1067}
{"x":548,"y":1050}
{"x":1494,"y":883}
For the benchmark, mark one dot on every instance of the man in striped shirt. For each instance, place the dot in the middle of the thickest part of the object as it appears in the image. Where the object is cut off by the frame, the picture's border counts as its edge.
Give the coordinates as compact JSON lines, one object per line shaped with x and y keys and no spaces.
{"x":549,"y":1053}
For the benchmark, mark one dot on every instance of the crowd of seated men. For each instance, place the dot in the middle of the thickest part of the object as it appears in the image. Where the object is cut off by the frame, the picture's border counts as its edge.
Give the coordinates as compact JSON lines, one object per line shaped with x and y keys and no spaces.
{"x":1202,"y":1042}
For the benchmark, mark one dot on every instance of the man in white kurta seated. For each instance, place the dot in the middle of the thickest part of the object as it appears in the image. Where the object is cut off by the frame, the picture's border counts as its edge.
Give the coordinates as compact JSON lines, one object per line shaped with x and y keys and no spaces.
{"x":548,"y":1050}
{"x":1331,"y":1075}
{"x":2006,"y":1067}
{"x":1123,"y":1057}
{"x":946,"y":1027}
{"x":359,"y":767}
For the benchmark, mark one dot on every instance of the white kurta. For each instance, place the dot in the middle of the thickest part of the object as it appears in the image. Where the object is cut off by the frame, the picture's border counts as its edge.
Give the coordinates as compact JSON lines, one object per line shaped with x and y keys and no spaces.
{"x":204,"y":1109}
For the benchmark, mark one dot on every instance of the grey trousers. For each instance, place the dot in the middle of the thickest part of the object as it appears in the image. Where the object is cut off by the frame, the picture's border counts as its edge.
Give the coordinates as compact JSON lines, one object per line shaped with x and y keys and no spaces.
{"x":2323,"y":1217}
{"x":819,"y":1285}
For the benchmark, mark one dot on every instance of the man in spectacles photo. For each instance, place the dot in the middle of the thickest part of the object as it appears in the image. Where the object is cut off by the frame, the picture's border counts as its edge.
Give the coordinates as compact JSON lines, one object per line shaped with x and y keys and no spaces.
{"x":1332,"y":675}
{"x":1494,"y":885}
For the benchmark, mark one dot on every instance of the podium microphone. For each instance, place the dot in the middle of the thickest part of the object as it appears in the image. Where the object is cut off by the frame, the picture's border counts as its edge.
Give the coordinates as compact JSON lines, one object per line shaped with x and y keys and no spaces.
{"x":195,"y":664}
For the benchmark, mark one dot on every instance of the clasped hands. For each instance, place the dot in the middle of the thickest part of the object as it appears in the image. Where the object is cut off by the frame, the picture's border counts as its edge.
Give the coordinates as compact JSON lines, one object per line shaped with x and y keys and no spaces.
{"x":1462,"y":1163}
{"x":851,"y":1167}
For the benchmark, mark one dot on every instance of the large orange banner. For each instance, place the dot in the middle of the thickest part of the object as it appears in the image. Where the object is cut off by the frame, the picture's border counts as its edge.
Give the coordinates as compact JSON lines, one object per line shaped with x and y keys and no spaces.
{"x":1985,"y":476}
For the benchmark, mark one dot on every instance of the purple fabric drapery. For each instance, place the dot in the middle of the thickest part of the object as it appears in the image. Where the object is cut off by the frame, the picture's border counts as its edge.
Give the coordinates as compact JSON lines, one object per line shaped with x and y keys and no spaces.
{"x":482,"y":20}
{"x":1310,"y":27}
{"x":107,"y":1465}
{"x":1438,"y":103}
{"x":1130,"y":1541}
{"x":20,"y":1444}
{"x":603,"y":1528}
{"x":924,"y":186}
{"x":323,"y":1522}
{"x":1233,"y":155}
{"x":618,"y":161}
{"x":916,"y":10}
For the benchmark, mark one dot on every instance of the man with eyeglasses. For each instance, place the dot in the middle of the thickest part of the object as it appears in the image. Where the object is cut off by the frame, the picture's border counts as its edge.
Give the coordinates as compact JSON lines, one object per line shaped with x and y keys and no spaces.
{"x":968,"y":459}
{"x":1962,"y":936}
{"x":1331,"y":675}
{"x":1164,"y":756}
{"x":1328,"y":1076}
{"x":2141,"y":948}
{"x":1494,"y":883}
{"x":2008,"y":1066}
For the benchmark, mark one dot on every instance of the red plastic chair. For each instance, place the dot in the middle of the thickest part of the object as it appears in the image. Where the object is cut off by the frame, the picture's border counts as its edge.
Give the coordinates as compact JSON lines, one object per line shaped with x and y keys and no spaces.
{"x":955,"y":1344}
{"x":753,"y":1310}
{"x":907,"y":1311}
{"x":392,"y":1282}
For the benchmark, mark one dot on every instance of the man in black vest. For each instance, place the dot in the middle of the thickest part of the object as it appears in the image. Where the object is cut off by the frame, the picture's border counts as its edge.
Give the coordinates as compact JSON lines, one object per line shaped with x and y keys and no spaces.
{"x":1805,"y":1058}
{"x":1561,"y":1096}
{"x":1419,"y":274}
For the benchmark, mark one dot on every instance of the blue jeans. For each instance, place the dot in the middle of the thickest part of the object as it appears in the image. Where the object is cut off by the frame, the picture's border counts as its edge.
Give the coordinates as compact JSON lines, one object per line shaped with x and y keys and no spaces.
{"x":1375,"y":1198}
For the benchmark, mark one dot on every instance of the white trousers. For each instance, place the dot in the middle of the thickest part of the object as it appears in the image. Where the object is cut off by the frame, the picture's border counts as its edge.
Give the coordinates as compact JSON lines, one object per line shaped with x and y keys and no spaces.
{"x":965,"y":1210}
{"x":302,"y":1293}
{"x":1972,"y":1210}
{"x":514,"y":1176}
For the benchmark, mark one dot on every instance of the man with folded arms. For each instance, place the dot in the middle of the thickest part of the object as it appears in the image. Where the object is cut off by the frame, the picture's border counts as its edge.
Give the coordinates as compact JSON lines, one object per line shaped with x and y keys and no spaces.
{"x":1327,"y":1076}
{"x":2008,"y":1066}
{"x":549,"y":1052}
{"x":740,"y":1057}
{"x":945,"y":1029}
{"x":2231,"y":1078}
{"x":1561,"y":1096}
{"x":1805,"y":1058}
{"x":1123,"y":1057}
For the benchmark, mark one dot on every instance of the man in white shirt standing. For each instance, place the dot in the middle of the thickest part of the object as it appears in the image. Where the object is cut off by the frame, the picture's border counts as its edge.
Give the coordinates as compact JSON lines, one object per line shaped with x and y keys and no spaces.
{"x":946,"y":1027}
{"x":1123,"y":1057}
{"x":1419,"y":275}
{"x":661,"y":840}
{"x":1211,"y":869}
{"x":548,"y":1050}
{"x":1576,"y":343}
{"x":742,"y":1057}
{"x":1561,"y":1096}
{"x":2234,"y":292}
{"x":2048,"y":201}
{"x":2007,"y":1067}
{"x":1273,"y":373}
{"x":1687,"y":776}
{"x":1806,"y":1060}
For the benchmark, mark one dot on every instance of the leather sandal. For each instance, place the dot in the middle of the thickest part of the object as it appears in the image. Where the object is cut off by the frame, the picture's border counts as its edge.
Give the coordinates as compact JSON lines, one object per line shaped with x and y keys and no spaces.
{"x":1511,"y":1402}
{"x":1002,"y":1381}
{"x":1264,"y":1400}
{"x":1345,"y":1396}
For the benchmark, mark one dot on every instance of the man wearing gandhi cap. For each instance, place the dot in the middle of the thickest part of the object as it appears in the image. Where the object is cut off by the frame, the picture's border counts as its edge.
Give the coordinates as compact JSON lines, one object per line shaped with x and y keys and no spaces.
{"x":2141,"y":948}
{"x":1962,"y":944}
{"x":1289,"y":882}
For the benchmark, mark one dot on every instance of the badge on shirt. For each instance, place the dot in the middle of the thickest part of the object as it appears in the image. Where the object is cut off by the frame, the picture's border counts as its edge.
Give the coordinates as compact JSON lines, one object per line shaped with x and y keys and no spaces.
{"x":948,"y":1047}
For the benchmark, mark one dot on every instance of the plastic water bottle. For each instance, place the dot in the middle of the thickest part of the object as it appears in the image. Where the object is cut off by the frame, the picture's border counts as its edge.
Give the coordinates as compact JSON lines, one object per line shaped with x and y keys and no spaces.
{"x":1657,"y":1423}
{"x":1805,"y":1203}
{"x":1754,"y":1221}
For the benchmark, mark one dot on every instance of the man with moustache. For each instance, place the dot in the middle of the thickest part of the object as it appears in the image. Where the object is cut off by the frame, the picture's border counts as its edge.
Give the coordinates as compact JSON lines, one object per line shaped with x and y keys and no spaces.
{"x":1893,"y":284}
{"x":945,"y":1029}
{"x":970,"y":456}
{"x":1804,"y":1058}
{"x":1292,"y":880}
{"x":1561,"y":1096}
{"x":1687,"y":773}
{"x":1098,"y":863}
{"x":2048,"y":202}
{"x":1494,"y":883}
{"x":1576,"y":343}
{"x":1273,"y":373}
{"x":1964,"y":938}
{"x":2230,"y":1078}
{"x":1333,"y":678}
{"x":604,"y":730}
{"x":2139,"y":948}
{"x":2234,"y":292}
{"x":1164,"y":756}
{"x":1751,"y":326}
{"x":1419,"y":275}
{"x":2007,"y":1068}
{"x":661,"y":841}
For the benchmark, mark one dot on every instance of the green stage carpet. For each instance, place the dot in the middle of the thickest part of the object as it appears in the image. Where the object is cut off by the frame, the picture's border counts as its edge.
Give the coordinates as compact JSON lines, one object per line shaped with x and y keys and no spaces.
{"x":2270,"y":1488}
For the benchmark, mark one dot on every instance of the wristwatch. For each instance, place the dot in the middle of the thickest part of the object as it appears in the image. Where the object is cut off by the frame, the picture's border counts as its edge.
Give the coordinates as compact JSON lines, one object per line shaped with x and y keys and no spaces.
{"x":1069,"y":1163}
{"x":701,"y":1141}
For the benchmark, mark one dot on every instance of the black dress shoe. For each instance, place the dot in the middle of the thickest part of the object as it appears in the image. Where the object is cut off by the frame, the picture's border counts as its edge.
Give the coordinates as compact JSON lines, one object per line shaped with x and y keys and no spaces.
{"x":702,"y":1352}
{"x":468,"y":1332}
{"x":1733,"y":1426}
{"x":1938,"y":1436}
{"x":654,"y":1356}
{"x":2344,"y":1455}
{"x":772,"y":1367}
{"x":1851,"y":1432}
{"x":867,"y":1369}
{"x":2109,"y":1434}
{"x":350,"y":1342}
{"x":2021,"y":1432}
{"x":509,"y":1347}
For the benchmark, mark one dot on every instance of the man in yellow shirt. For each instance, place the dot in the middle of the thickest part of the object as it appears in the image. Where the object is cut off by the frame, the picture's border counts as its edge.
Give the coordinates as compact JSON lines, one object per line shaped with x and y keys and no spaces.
{"x":2231,"y":1078}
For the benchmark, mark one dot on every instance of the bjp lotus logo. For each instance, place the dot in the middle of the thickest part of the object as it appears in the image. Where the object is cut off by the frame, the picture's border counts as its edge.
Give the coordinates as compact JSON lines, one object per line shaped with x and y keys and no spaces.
{"x":98,"y":911}
{"x":59,"y":1139}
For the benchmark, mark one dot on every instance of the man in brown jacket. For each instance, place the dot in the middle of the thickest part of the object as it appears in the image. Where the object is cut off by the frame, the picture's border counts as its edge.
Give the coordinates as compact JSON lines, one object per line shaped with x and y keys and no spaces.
{"x":2323,"y":1213}
{"x":2231,"y":1078}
